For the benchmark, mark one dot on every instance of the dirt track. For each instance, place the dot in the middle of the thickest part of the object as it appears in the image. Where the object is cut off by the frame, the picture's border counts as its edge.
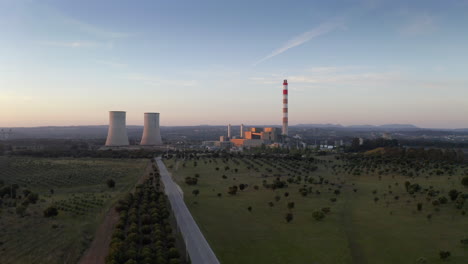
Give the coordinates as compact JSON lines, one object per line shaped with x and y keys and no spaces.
{"x":99,"y":248}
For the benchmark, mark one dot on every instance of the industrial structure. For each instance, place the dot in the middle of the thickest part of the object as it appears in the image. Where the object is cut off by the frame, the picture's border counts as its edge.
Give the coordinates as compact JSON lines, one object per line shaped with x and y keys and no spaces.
{"x":255,"y":137}
{"x":151,"y":132}
{"x":117,"y":134}
{"x":285,"y":108}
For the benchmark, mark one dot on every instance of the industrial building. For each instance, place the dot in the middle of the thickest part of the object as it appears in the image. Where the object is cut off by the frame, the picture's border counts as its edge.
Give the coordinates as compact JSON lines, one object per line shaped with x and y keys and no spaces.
{"x":151,"y":132}
{"x":257,"y":136}
{"x":117,"y":134}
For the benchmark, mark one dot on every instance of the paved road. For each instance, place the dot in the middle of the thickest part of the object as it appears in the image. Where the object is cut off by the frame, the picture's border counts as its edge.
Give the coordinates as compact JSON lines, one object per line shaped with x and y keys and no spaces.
{"x":198,"y":248}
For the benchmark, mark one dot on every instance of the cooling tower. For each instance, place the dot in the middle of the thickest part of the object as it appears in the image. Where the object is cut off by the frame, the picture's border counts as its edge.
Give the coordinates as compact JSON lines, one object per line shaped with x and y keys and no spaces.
{"x":151,"y":133}
{"x":117,"y":134}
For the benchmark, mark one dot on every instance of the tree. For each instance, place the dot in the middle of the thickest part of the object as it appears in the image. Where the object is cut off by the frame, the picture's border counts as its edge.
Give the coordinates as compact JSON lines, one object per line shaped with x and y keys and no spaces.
{"x":110,"y":183}
{"x":289,"y":217}
{"x":419,"y":206}
{"x":249,"y":208}
{"x":50,"y":211}
{"x":20,"y":210}
{"x":32,"y":197}
{"x":318,"y":215}
{"x":195,"y":192}
{"x":232,"y":190}
{"x":191,"y":181}
{"x":291,"y":205}
{"x":465,"y":181}
{"x":453,"y":194}
{"x":444,"y":254}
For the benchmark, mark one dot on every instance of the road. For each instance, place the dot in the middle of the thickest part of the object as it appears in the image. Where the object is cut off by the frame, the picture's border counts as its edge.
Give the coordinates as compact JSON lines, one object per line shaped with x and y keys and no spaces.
{"x":198,"y":248}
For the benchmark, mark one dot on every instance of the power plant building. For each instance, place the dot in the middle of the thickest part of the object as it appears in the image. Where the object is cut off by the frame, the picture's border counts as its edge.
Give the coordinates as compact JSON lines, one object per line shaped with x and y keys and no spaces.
{"x":151,"y":132}
{"x":117,"y":133}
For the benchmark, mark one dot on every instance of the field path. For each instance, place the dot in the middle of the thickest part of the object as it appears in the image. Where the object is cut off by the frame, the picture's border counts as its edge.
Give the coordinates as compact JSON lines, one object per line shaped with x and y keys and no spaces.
{"x":99,"y":248}
{"x":346,"y":218}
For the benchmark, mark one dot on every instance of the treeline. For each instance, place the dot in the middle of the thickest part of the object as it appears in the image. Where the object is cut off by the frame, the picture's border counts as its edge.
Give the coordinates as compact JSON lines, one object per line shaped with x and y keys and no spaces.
{"x":436,"y":154}
{"x":368,"y":144}
{"x":143,"y":233}
{"x":432,"y":143}
{"x":80,"y":153}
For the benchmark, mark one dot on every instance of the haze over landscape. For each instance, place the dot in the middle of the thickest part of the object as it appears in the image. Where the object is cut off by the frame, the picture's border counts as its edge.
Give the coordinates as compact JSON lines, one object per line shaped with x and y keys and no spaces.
{"x":207,"y":62}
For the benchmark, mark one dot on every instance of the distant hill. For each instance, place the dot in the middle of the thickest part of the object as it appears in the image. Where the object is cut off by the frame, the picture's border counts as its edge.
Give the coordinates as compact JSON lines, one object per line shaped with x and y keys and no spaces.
{"x":363,"y":127}
{"x":320,"y":125}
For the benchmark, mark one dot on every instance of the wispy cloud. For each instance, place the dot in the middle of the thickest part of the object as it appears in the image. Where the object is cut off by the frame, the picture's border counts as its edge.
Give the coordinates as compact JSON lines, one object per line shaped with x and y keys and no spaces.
{"x":366,"y":78}
{"x":71,"y":44}
{"x":303,"y":38}
{"x":95,"y":30}
{"x":112,"y":64}
{"x":158,"y":81}
{"x":419,"y":24}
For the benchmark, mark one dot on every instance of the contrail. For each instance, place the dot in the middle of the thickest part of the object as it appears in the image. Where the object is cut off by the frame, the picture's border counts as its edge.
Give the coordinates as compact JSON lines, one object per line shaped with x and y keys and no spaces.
{"x":301,"y":39}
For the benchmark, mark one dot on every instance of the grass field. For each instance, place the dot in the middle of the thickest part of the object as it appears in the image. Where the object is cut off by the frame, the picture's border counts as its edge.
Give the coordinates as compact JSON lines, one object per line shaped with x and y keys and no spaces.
{"x":77,"y":187}
{"x":357,"y":230}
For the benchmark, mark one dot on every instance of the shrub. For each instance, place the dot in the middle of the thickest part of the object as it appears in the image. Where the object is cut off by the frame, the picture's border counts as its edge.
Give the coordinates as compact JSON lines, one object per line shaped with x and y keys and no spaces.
{"x":191,"y":181}
{"x":110,"y":183}
{"x":32,"y":197}
{"x":419,"y":206}
{"x":464,"y":181}
{"x":318,"y":215}
{"x":289,"y":217}
{"x":50,"y":211}
{"x":444,"y":254}
{"x":453,"y":194}
{"x":20,"y":210}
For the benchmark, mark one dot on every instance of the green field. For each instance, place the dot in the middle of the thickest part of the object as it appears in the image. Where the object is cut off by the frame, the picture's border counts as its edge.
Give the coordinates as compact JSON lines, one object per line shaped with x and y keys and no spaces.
{"x":359,"y":228}
{"x":77,"y":187}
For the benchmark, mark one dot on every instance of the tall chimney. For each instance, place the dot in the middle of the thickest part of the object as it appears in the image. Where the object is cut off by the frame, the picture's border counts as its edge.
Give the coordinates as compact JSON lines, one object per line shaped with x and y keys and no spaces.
{"x":117,"y":133}
{"x":229,"y":131}
{"x":151,"y":133}
{"x":285,"y":108}
{"x":242,"y":131}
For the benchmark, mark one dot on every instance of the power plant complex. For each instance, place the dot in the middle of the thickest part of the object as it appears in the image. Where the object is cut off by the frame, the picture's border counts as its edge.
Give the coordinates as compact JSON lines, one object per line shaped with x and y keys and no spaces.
{"x":117,"y":134}
{"x":257,"y":136}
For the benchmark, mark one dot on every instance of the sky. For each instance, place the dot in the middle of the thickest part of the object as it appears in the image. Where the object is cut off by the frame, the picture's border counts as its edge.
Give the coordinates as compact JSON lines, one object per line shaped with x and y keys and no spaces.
{"x":66,"y":62}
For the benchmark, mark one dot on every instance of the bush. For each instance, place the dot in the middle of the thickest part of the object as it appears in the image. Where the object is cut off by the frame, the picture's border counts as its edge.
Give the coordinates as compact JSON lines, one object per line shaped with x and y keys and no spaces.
{"x":464,"y":181}
{"x":191,"y":181}
{"x":32,"y":197}
{"x":110,"y":183}
{"x":50,"y":211}
{"x":318,"y":215}
{"x":289,"y":217}
{"x":20,"y":210}
{"x":453,"y":194}
{"x":444,"y":254}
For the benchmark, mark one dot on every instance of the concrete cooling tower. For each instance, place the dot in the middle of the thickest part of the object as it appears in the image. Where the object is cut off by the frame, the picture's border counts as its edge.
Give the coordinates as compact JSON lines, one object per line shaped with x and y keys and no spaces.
{"x":117,"y":134}
{"x":151,"y":133}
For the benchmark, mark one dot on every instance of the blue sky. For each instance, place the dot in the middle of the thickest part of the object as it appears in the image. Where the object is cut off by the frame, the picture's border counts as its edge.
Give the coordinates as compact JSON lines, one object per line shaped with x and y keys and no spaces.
{"x":218,"y":62}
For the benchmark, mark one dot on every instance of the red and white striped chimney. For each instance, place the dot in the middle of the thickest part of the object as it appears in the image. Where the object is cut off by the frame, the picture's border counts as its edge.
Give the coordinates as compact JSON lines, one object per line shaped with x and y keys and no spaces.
{"x":285,"y":108}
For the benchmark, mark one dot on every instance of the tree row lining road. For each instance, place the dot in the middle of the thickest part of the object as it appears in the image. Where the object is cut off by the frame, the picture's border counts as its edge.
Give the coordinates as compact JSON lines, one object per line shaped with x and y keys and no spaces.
{"x":198,"y":248}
